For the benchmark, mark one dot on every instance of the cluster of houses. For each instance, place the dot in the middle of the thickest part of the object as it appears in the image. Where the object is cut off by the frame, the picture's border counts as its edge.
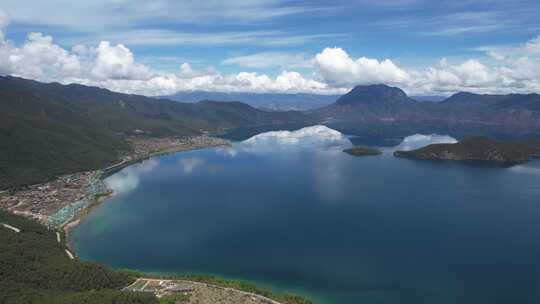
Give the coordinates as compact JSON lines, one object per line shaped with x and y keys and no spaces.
{"x":42,"y":200}
{"x":56,"y":202}
{"x":146,"y":146}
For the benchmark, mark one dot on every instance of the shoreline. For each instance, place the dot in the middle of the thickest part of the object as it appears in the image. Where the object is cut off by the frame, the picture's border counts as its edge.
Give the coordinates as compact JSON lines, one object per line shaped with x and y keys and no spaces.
{"x":62,"y":203}
{"x":100,"y":198}
{"x":261,"y":298}
{"x":95,"y":192}
{"x":81,"y":216}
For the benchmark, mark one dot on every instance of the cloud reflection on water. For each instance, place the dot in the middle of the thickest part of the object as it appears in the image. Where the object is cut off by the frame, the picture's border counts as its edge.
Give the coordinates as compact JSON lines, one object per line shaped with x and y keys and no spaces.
{"x":526,"y":169}
{"x":188,"y":164}
{"x":227,"y":151}
{"x":128,"y":179}
{"x":418,"y":141}
{"x":311,"y":137}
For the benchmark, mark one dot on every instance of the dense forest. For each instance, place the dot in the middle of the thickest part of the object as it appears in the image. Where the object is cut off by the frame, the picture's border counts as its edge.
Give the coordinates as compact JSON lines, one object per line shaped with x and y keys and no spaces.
{"x":34,"y":268}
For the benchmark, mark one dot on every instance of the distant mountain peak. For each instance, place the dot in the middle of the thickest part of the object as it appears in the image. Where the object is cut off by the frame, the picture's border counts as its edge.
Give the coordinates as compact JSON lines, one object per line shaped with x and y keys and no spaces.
{"x":376,"y":93}
{"x":461,"y":96}
{"x":464,"y":93}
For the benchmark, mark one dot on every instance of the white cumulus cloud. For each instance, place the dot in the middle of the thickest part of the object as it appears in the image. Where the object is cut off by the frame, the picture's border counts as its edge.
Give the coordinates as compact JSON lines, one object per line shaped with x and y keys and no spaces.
{"x":117,"y":62}
{"x":516,"y":70}
{"x":114,"y":66}
{"x":338,"y":68}
{"x":38,"y":58}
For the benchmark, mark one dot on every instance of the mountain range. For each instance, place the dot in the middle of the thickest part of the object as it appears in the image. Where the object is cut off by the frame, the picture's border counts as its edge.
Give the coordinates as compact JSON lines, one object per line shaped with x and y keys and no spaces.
{"x":273,"y":101}
{"x":380,"y":111}
{"x":52,"y":129}
{"x":270,"y":101}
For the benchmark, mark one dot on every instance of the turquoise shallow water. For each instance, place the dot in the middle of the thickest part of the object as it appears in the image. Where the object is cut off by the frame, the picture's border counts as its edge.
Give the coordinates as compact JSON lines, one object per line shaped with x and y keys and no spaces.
{"x":299,"y":215}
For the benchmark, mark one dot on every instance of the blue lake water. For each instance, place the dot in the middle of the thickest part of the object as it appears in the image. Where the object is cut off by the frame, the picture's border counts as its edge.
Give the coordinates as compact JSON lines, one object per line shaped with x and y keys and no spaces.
{"x":293,"y":212}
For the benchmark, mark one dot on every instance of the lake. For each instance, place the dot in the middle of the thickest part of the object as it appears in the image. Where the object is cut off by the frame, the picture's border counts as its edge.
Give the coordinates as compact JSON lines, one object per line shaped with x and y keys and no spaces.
{"x":290,"y":211}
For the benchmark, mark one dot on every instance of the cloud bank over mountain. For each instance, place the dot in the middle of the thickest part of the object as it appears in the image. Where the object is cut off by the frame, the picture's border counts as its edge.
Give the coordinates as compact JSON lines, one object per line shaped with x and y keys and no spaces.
{"x":518,"y":73}
{"x":114,"y":67}
{"x":331,"y":71}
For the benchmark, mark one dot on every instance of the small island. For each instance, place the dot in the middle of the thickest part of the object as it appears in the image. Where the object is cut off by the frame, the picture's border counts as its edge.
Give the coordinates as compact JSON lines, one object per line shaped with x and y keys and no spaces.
{"x":362,"y":151}
{"x":477,"y":149}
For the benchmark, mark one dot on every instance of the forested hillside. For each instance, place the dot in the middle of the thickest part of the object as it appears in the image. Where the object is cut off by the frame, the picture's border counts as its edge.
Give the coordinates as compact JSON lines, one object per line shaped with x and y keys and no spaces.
{"x":52,"y":129}
{"x":35,"y":269}
{"x":380,"y":111}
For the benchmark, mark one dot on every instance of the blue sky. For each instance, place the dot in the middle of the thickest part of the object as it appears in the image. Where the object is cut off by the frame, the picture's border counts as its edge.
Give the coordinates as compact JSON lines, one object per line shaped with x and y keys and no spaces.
{"x":426,"y":47}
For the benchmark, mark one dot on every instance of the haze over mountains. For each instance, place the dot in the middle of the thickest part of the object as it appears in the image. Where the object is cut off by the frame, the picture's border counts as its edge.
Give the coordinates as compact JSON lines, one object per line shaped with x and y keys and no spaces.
{"x":50,"y":129}
{"x":271,"y":101}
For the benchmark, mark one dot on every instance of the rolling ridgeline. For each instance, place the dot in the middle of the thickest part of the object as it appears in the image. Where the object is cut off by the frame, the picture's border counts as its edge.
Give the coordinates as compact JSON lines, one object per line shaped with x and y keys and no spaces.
{"x":378,"y":112}
{"x":478,"y":149}
{"x":51,"y":129}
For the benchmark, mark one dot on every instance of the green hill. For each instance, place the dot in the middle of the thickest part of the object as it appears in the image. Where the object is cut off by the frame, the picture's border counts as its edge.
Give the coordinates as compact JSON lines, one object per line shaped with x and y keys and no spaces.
{"x":380,"y":111}
{"x":35,"y":269}
{"x":362,"y":151}
{"x":52,"y":129}
{"x":477,"y":149}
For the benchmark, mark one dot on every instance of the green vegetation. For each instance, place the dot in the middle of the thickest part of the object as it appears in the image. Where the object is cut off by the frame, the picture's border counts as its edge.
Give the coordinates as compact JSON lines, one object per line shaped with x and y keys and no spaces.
{"x":477,"y":149}
{"x":40,"y":139}
{"x":174,"y":299}
{"x":51,"y":129}
{"x":243,"y":286}
{"x":362,"y":151}
{"x":35,"y":269}
{"x":379,"y":111}
{"x":48,"y":130}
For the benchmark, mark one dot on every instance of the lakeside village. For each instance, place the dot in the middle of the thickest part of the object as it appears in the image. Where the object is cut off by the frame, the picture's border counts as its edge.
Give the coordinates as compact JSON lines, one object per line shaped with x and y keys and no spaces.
{"x":58,"y":202}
